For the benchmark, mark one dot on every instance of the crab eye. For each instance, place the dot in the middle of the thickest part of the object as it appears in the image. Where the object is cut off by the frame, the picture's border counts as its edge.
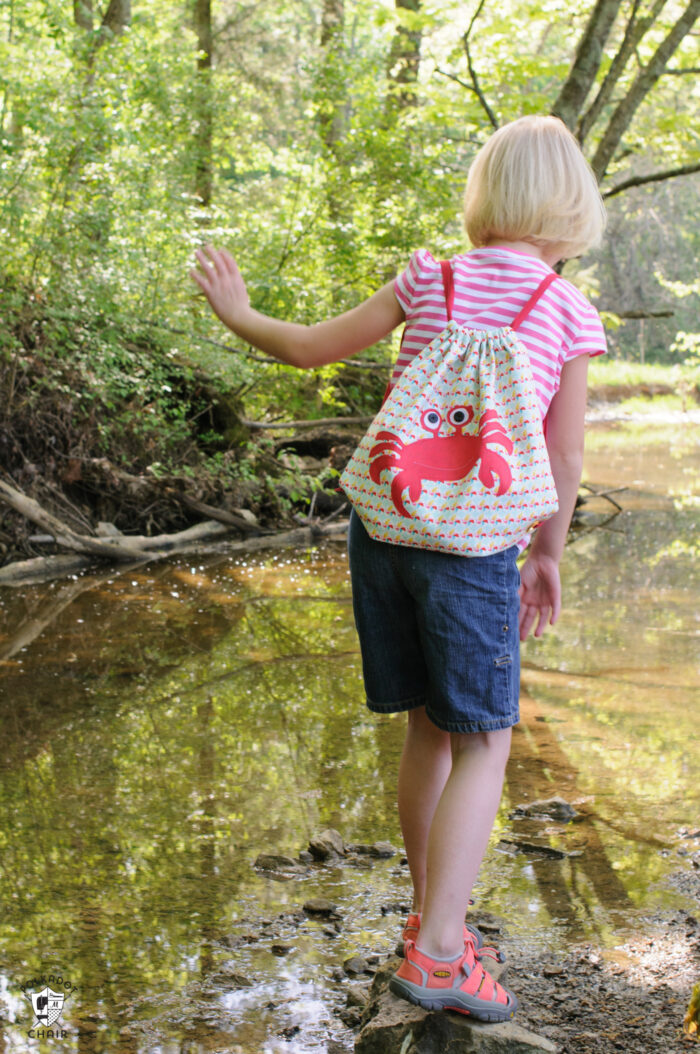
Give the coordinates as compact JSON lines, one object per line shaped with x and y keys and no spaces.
{"x":431,"y":420}
{"x":459,"y":415}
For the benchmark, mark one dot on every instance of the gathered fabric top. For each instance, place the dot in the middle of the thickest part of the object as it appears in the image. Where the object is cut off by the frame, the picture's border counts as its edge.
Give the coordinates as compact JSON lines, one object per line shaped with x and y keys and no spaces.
{"x":490,"y":288}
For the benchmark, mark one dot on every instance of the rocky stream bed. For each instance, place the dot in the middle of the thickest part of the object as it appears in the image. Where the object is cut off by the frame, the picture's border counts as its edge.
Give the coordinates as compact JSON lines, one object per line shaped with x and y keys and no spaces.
{"x":589,"y":1000}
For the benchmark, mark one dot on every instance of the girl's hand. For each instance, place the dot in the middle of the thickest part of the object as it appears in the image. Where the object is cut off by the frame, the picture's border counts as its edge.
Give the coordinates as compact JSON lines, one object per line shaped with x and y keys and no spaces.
{"x":220,"y":280}
{"x":540,"y":594}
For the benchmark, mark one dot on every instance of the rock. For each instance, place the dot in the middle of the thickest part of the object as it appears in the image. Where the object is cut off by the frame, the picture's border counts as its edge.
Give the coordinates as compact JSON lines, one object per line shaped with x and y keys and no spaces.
{"x":305,"y":857}
{"x":228,"y":974}
{"x":394,"y":1026}
{"x":107,"y":530}
{"x":281,"y":949}
{"x":278,"y":863}
{"x":356,"y":996}
{"x":320,"y":906}
{"x":247,"y":515}
{"x":382,"y":850}
{"x":547,"y":809}
{"x":351,"y":1016}
{"x":553,"y":971}
{"x":396,"y":907}
{"x":327,"y":845}
{"x":519,"y":845}
{"x":355,"y":965}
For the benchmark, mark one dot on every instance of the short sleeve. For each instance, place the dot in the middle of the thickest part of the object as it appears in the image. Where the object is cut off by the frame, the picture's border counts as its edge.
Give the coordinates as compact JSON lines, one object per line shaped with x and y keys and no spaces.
{"x":406,"y":285}
{"x":590,"y":336}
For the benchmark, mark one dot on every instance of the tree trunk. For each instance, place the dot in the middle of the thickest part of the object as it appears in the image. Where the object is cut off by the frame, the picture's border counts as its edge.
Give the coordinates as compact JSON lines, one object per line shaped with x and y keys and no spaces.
{"x":586,"y":65}
{"x":331,"y":117}
{"x":116,"y":17}
{"x":204,"y":102}
{"x":82,"y":14}
{"x":404,"y":59}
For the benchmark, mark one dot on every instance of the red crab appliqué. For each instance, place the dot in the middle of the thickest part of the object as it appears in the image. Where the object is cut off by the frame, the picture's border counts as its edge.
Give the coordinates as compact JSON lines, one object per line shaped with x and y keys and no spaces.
{"x":443,"y":458}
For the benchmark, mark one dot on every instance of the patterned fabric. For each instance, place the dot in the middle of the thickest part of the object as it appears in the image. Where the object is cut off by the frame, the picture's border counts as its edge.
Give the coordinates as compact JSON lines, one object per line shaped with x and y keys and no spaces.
{"x":491,"y":285}
{"x":455,"y":460}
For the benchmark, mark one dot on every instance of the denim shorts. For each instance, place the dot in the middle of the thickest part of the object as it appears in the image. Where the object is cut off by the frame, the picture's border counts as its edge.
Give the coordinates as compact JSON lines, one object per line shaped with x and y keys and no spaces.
{"x":437,"y":630}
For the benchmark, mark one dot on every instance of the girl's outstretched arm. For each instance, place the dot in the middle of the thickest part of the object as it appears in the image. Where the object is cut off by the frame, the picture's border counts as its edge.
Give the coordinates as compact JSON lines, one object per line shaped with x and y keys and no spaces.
{"x":304,"y":346}
{"x":540,"y":588}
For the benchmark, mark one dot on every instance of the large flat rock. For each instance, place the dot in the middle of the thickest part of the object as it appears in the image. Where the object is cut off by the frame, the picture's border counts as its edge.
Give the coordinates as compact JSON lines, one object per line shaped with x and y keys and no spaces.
{"x":394,"y":1026}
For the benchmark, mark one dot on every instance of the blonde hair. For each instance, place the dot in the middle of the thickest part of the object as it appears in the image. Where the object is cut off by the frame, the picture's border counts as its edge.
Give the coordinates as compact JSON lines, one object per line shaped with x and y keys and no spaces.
{"x":530,"y":182}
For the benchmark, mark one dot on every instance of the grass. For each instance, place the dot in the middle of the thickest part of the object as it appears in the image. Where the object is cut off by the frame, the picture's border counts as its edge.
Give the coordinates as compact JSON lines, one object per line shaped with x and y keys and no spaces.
{"x":606,"y":370}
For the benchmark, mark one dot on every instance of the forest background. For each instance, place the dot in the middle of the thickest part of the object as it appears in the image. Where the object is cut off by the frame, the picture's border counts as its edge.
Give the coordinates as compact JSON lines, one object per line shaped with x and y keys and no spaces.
{"x":321,"y":143}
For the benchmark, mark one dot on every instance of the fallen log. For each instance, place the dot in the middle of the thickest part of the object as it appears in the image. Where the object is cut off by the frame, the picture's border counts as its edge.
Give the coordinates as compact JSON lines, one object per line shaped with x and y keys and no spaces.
{"x":65,"y":537}
{"x":45,"y":569}
{"x":221,"y":515}
{"x":204,"y":537}
{"x":316,"y":422}
{"x":130,"y":549}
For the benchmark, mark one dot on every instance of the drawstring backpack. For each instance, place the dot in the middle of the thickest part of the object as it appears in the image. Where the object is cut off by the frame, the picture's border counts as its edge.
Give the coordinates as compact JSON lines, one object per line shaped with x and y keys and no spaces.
{"x":456,"y":459}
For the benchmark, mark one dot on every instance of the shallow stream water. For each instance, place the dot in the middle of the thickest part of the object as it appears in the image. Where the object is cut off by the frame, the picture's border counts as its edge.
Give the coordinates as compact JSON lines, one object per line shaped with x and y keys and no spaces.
{"x":161,"y":728}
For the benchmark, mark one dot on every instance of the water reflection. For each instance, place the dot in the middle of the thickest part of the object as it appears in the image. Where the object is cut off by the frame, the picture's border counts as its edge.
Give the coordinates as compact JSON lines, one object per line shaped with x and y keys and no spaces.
{"x":162,"y":728}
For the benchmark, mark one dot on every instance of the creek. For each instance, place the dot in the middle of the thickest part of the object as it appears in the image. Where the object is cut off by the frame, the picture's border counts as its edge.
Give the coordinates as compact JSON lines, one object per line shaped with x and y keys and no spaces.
{"x":161,"y":728}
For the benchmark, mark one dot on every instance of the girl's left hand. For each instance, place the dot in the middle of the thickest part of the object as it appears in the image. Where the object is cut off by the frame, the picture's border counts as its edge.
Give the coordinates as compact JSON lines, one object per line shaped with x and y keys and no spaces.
{"x":540,"y":594}
{"x":222,"y":284}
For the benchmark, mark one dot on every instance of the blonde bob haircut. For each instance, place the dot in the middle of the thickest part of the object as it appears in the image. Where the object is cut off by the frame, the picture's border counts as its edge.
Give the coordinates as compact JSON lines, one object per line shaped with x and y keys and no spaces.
{"x":530,"y":182}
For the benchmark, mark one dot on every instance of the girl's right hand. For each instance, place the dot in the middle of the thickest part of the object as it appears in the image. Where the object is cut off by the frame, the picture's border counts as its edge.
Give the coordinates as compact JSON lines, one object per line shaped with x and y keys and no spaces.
{"x":222,"y":284}
{"x":540,"y":594}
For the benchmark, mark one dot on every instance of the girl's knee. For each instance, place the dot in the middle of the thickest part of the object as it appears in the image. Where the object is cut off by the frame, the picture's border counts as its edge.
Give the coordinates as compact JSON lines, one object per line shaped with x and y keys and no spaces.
{"x":496,"y":744}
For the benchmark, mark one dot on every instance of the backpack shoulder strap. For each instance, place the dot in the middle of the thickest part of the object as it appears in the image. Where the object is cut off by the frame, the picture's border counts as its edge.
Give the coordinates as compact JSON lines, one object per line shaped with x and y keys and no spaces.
{"x":449,"y":286}
{"x":527,"y":308}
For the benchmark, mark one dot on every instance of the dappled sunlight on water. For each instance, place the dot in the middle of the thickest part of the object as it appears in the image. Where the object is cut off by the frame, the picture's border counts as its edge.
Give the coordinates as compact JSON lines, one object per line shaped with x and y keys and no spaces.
{"x":162,"y":728}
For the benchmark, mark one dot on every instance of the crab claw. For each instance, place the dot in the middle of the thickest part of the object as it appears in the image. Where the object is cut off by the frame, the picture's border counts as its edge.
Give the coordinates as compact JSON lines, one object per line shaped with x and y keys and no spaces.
{"x":378,"y":465}
{"x":399,"y":484}
{"x":492,"y":462}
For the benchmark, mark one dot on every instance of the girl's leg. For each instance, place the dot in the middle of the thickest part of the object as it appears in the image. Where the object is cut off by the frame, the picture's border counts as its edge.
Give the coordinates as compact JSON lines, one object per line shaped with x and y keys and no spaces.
{"x":459,"y":834}
{"x":426,"y":762}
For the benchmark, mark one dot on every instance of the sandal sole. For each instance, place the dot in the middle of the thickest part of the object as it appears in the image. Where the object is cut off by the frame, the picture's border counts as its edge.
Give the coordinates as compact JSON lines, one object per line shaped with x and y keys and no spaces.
{"x":450,"y":999}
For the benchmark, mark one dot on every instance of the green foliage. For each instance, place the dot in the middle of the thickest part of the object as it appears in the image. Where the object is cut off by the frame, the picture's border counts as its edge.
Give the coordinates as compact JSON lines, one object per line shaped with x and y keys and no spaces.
{"x":323,"y":183}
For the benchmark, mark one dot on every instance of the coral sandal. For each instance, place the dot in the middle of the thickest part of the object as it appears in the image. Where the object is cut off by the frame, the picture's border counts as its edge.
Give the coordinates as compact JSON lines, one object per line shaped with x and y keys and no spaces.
{"x":483,"y":951}
{"x":461,"y":984}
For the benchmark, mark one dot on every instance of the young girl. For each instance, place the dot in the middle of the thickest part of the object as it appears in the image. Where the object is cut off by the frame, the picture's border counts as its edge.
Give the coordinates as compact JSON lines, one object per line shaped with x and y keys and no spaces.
{"x":439,"y":632}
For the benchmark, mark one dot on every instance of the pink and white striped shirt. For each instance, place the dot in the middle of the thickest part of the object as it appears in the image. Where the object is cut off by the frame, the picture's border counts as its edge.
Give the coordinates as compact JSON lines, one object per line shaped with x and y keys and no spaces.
{"x":491,"y":285}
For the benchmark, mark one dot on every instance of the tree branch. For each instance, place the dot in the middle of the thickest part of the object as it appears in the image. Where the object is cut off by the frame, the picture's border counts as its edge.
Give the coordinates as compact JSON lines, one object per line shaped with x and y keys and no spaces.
{"x":642,"y":84}
{"x":311,"y":423}
{"x":475,"y":87}
{"x":653,"y":177}
{"x":666,"y":313}
{"x":635,"y":30}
